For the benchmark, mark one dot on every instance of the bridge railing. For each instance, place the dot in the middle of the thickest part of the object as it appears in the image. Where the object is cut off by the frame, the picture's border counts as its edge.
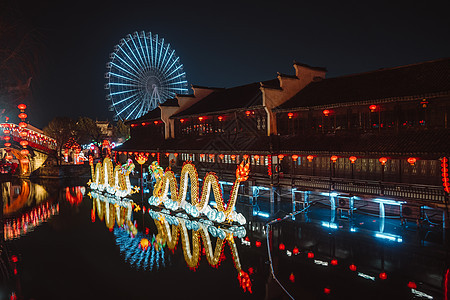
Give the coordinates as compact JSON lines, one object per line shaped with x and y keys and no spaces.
{"x":34,"y":137}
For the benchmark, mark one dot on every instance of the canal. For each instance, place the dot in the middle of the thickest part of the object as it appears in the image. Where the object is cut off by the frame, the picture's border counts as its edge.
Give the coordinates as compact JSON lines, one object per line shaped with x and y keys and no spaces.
{"x":62,"y":241}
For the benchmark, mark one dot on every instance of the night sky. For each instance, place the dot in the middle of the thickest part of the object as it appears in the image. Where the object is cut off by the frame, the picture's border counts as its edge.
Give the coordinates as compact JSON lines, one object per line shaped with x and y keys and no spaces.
{"x":223,"y":43}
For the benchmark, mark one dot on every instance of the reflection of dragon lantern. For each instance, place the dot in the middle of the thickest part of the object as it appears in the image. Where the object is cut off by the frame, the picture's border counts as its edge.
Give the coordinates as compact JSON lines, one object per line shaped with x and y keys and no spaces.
{"x":112,"y":211}
{"x":199,"y":204}
{"x":200,"y":229}
{"x":114,"y":181}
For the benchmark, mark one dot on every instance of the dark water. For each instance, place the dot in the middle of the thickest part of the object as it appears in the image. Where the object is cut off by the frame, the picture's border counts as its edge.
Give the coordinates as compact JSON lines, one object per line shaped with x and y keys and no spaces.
{"x":59,"y":244}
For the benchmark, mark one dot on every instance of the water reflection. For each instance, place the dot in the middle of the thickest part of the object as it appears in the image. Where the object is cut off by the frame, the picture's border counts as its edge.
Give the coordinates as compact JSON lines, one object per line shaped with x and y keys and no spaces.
{"x":17,"y":195}
{"x":196,"y":237}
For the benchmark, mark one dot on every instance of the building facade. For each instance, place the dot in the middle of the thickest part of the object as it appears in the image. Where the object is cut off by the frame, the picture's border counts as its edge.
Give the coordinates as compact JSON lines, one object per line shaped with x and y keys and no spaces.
{"x":383,"y":132}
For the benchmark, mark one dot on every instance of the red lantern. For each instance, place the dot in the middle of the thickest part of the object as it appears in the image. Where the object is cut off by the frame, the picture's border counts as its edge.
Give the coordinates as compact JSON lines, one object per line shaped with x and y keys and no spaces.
{"x":383,"y":160}
{"x":24,"y":143}
{"x":23,"y":133}
{"x":334,"y":262}
{"x":295,"y":157}
{"x":412,"y":161}
{"x":248,"y":113}
{"x":333,"y":158}
{"x":211,"y":156}
{"x":412,"y":285}
{"x":383,"y":276}
{"x":181,"y":121}
{"x":327,"y":290}
{"x":23,"y":116}
{"x":352,"y":159}
{"x":22,"y":124}
{"x":310,"y":255}
{"x":326,"y":112}
{"x":310,"y":158}
{"x":352,"y":267}
{"x":292,"y":277}
{"x":290,"y":115}
{"x":221,"y":156}
{"x":7,"y":144}
{"x":6,"y":138}
{"x":372,"y":108}
{"x":6,"y":131}
{"x":156,"y":122}
{"x":233,"y":157}
{"x":258,"y":244}
{"x":256,"y":157}
{"x":280,"y":156}
{"x":8,"y":156}
{"x":295,"y":251}
{"x":282,"y":247}
{"x":175,"y":154}
{"x":201,"y":118}
{"x":21,"y":106}
{"x":220,"y":118}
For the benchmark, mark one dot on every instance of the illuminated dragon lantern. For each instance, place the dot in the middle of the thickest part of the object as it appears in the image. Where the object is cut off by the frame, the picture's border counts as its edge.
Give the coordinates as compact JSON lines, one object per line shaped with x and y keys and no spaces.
{"x":114,"y":180}
{"x":199,"y":203}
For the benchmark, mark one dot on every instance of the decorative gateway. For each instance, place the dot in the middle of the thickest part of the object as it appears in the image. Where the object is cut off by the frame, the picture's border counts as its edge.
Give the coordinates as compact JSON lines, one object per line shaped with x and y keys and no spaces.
{"x":199,"y":205}
{"x":114,"y":181}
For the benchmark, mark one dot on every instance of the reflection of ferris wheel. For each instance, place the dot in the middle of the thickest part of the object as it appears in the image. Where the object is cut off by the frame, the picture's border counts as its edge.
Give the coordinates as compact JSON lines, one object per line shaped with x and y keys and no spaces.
{"x":143,"y":72}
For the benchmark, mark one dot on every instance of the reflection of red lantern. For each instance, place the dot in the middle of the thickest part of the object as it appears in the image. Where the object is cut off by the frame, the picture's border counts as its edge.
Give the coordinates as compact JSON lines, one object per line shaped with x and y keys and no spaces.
{"x":258,"y":244}
{"x":412,"y":285}
{"x":295,"y":251}
{"x":352,"y":159}
{"x":292,"y":277}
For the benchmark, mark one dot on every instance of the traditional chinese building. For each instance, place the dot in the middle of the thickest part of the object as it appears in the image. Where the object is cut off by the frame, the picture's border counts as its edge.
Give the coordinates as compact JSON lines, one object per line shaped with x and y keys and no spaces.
{"x":381,"y":132}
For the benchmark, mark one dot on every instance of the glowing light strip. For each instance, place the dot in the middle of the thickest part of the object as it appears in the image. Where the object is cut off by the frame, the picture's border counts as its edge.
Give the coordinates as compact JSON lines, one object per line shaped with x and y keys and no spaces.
{"x":165,"y":54}
{"x":178,"y":82}
{"x":168,"y":60}
{"x":176,"y":69}
{"x":123,"y":92}
{"x":146,"y":50}
{"x":156,"y":51}
{"x":365,"y":276}
{"x":140,"y":67}
{"x":127,"y":106}
{"x":174,"y":62}
{"x":124,"y":70}
{"x":132,"y":69}
{"x":160,"y":52}
{"x":129,"y":58}
{"x":125,"y":99}
{"x":139,"y":53}
{"x":181,"y":74}
{"x":151,"y":48}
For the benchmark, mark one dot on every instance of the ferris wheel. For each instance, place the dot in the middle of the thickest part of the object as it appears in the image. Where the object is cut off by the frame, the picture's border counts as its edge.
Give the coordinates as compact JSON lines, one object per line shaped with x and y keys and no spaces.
{"x":142,"y":73}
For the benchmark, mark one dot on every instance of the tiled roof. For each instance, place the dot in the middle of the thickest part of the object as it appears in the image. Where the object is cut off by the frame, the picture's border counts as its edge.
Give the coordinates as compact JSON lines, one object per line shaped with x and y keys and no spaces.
{"x":427,"y":78}
{"x":170,"y":102}
{"x":239,"y":97}
{"x":205,"y":144}
{"x":151,"y":115}
{"x":423,"y":142}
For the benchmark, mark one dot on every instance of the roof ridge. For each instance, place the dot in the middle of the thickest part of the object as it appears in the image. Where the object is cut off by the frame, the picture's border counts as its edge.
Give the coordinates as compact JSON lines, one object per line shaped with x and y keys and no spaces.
{"x":390,"y":68}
